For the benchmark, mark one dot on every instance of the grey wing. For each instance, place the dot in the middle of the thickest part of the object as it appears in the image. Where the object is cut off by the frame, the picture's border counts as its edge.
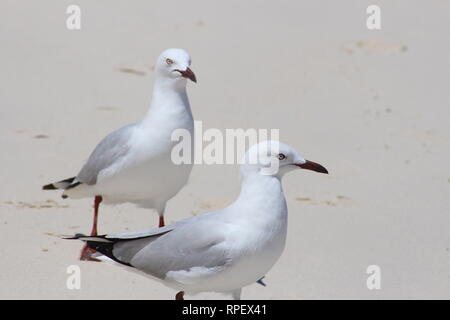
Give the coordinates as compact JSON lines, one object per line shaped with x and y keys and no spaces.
{"x":185,"y":247}
{"x":110,"y":149}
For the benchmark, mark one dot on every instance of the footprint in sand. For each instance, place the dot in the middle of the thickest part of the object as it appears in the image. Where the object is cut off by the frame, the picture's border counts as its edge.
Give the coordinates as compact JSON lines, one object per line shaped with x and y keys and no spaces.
{"x":41,"y":136}
{"x":374,"y":46}
{"x":132,"y":71}
{"x":37,"y":204}
{"x":339,"y":200}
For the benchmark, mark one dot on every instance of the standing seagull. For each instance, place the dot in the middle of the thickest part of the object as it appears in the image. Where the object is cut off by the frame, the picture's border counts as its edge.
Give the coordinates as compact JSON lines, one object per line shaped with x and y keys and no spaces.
{"x":220,"y":251}
{"x":133,"y":164}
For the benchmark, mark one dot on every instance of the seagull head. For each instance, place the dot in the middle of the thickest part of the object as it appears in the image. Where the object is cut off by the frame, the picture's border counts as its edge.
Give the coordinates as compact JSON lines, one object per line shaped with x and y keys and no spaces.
{"x":276,"y":159}
{"x":174,"y":64}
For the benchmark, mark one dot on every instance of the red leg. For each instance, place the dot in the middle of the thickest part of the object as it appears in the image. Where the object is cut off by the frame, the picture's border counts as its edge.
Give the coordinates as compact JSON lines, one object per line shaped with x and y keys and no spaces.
{"x":86,"y":252}
{"x":161,"y":221}
{"x":97,"y":201}
{"x":179,"y":295}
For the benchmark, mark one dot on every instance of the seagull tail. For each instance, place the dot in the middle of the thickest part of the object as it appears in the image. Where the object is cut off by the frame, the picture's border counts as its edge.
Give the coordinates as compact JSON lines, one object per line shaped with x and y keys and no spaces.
{"x":63,"y":184}
{"x":71,"y":186}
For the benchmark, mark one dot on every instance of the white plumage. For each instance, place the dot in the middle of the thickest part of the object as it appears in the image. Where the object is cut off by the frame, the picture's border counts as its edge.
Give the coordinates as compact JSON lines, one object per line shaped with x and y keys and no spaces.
{"x":133,"y":163}
{"x":220,"y":251}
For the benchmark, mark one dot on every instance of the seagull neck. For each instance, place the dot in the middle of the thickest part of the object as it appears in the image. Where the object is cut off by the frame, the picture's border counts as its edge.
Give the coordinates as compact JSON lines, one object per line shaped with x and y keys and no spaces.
{"x":169,"y":97}
{"x":262,"y":193}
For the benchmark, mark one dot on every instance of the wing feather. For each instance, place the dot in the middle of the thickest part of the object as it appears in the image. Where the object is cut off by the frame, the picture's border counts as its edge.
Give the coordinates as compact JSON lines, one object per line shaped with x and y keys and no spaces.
{"x":108,"y":151}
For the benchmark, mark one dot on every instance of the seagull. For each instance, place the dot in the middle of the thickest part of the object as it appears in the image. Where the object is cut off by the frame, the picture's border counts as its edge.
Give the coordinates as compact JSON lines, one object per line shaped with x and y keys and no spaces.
{"x":133,"y":164}
{"x":220,"y":251}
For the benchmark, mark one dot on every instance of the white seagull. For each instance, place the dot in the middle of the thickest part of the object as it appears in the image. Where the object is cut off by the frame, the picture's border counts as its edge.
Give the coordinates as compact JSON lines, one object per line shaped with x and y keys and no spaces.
{"x":220,"y":251}
{"x":133,"y":164}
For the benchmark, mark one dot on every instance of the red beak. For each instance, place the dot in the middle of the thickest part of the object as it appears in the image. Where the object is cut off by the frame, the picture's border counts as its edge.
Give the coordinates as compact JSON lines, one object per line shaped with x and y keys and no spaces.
{"x":188,"y":74}
{"x":309,"y":165}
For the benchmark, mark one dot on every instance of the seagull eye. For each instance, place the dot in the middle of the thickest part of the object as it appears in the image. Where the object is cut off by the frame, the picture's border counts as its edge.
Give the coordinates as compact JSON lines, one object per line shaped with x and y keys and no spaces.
{"x":281,"y":156}
{"x":169,"y":61}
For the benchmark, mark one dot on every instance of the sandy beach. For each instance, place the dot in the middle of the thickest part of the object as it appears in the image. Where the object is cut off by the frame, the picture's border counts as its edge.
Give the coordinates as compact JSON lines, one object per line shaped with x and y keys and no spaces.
{"x":370,"y":105}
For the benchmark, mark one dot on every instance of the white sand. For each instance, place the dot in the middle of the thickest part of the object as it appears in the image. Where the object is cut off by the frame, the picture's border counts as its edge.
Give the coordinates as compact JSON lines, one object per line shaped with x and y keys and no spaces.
{"x":371,"y":106}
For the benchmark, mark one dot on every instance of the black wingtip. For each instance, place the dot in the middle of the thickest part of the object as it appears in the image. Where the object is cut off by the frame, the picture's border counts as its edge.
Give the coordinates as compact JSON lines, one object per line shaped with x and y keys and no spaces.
{"x":261,"y":282}
{"x":63,"y":184}
{"x":106,"y":248}
{"x":75,"y":237}
{"x":49,"y":186}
